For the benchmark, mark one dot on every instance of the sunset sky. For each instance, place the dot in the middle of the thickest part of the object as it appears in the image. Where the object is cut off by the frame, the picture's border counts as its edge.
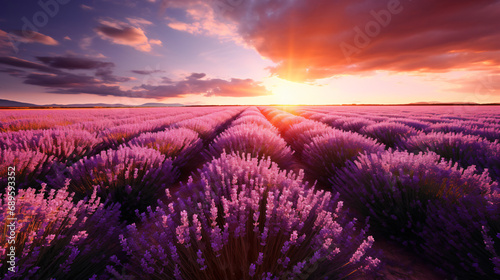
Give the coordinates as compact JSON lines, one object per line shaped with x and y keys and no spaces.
{"x":250,"y":51}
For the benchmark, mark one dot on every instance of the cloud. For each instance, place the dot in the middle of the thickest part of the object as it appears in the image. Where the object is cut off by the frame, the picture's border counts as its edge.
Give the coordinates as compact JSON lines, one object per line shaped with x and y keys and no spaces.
{"x":73,"y":62}
{"x":478,"y":84}
{"x":202,"y":19}
{"x":124,"y":34}
{"x":106,"y":74}
{"x":5,"y":43}
{"x":29,"y":36}
{"x":195,"y":84}
{"x":13,"y":72}
{"x":103,"y":69}
{"x":17,"y":62}
{"x":67,"y":38}
{"x":86,"y":7}
{"x":103,"y":82}
{"x":310,"y":40}
{"x":196,"y":76}
{"x":139,"y":21}
{"x":147,"y":72}
{"x":85,"y":43}
{"x":61,"y":80}
{"x":58,"y":78}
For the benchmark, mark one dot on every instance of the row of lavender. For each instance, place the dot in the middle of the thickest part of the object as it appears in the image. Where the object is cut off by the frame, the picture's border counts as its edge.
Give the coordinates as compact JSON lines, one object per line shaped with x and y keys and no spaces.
{"x":244,"y":218}
{"x":325,"y":153}
{"x":234,"y":205}
{"x":444,"y":212}
{"x":39,"y":153}
{"x":466,"y":140}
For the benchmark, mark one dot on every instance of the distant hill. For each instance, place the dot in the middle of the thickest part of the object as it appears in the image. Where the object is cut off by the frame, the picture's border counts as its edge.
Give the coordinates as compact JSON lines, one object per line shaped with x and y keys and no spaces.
{"x":90,"y":105}
{"x":161,"y":105}
{"x":10,"y":103}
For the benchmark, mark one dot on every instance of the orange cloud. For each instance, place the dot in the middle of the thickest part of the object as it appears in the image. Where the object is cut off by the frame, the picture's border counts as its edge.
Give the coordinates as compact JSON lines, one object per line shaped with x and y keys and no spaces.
{"x":321,"y":38}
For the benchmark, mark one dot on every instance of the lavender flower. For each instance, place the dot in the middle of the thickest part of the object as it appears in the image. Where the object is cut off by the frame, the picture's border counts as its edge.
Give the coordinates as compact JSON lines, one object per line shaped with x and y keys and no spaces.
{"x":57,"y":238}
{"x":131,"y":176}
{"x":233,"y":188}
{"x":329,"y":152}
{"x":32,"y":167}
{"x":64,"y":144}
{"x":466,"y":150}
{"x":388,"y":133}
{"x":178,"y":143}
{"x":252,"y":139}
{"x":394,"y":189}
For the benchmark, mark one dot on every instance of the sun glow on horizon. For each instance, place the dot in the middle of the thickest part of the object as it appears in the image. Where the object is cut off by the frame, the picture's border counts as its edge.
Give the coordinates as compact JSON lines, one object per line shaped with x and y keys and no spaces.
{"x":293,"y":93}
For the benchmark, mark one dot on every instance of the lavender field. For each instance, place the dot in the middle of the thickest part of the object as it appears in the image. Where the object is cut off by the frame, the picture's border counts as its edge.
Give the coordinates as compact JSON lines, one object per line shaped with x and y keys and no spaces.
{"x":303,"y":192}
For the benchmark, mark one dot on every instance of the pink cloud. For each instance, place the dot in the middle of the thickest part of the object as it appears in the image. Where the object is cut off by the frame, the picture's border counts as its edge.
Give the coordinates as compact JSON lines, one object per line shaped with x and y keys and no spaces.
{"x":202,"y":19}
{"x":28,"y":36}
{"x":125,"y":34}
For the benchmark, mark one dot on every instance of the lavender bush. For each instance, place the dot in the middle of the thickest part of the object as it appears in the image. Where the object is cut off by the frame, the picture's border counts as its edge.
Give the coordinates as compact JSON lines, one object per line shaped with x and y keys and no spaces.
{"x":388,"y":133}
{"x":395,"y":188}
{"x":31,"y":167}
{"x":331,"y":151}
{"x":302,"y":133}
{"x":246,"y":219}
{"x":130,"y":176}
{"x":252,"y":139}
{"x":463,"y":239}
{"x":64,"y":144}
{"x":57,"y":238}
{"x":178,"y":143}
{"x":351,"y":124}
{"x":416,"y":124}
{"x":466,"y":150}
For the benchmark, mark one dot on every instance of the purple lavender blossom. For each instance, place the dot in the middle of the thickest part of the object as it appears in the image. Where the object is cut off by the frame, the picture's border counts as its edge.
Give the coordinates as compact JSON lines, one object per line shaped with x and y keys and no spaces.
{"x":31,"y":167}
{"x":252,"y":139}
{"x":58,"y":238}
{"x":329,"y":152}
{"x":466,"y":150}
{"x":394,"y":189}
{"x":64,"y":144}
{"x":178,"y":143}
{"x":224,"y":197}
{"x":388,"y":133}
{"x":133,"y":176}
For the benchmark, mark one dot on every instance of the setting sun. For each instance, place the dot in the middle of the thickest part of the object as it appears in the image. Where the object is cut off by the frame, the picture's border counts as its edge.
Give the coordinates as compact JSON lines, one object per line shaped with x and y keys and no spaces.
{"x":293,"y":93}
